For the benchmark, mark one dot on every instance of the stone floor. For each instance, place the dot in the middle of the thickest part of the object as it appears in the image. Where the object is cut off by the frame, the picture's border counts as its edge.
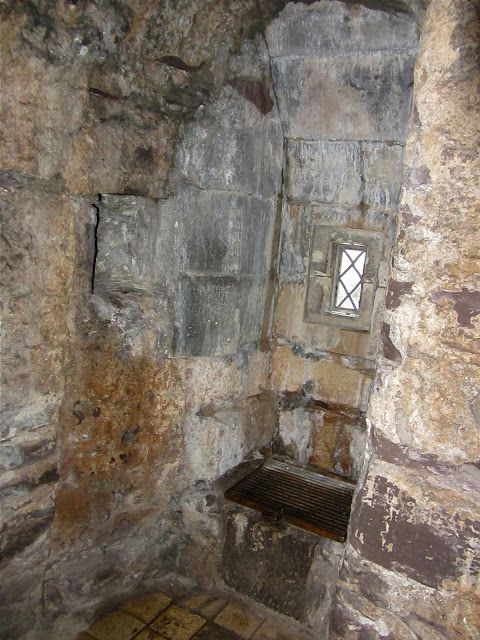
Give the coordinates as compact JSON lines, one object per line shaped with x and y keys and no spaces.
{"x":195,"y":616}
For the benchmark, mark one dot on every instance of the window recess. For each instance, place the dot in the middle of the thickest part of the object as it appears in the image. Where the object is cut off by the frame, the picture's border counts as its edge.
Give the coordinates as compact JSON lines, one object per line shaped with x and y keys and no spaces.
{"x":343,"y":273}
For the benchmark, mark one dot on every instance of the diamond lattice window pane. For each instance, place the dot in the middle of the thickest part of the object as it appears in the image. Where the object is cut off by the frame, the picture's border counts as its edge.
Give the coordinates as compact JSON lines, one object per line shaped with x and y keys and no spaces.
{"x":350,"y":278}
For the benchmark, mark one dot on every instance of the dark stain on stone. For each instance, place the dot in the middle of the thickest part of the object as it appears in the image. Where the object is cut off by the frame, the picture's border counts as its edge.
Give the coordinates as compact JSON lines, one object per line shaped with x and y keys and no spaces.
{"x":49,"y":476}
{"x":419,"y":176}
{"x":255,"y":91}
{"x":277,"y":574}
{"x":144,"y":156}
{"x":466,"y":304}
{"x":98,"y":93}
{"x":178,"y":63}
{"x":389,"y":350}
{"x":416,"y":117}
{"x":408,"y":219}
{"x":345,"y":410}
{"x":130,"y":435}
{"x":22,"y":533}
{"x":398,"y":454}
{"x":77,"y":412}
{"x":396,"y":290}
{"x":290,"y":400}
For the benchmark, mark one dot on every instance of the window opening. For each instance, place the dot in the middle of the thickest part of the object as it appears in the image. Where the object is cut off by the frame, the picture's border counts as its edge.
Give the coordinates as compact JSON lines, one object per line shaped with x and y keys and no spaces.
{"x":351,"y":259}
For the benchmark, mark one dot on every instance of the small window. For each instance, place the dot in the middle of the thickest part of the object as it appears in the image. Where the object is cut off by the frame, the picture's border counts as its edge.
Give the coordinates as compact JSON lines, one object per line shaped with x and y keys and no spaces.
{"x":344,"y":269}
{"x":350,"y":268}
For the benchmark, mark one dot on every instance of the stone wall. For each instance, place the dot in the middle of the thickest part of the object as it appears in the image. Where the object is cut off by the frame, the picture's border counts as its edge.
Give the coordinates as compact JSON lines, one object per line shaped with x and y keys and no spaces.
{"x":137,"y":243}
{"x":411,"y":567}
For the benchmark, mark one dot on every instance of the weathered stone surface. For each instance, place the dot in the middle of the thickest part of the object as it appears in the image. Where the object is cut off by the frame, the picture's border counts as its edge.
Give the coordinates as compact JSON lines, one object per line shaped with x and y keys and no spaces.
{"x":215,"y":158}
{"x":272,"y":565}
{"x":316,"y":100}
{"x":111,"y":445}
{"x":382,"y":173}
{"x":412,"y":563}
{"x":335,"y":28}
{"x":222,"y":233}
{"x":324,"y":171}
{"x":97,"y":99}
{"x":290,"y":327}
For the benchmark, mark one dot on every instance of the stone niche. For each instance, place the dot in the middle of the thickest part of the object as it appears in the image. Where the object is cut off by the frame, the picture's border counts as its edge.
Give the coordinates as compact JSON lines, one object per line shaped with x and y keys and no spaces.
{"x":342,"y":78}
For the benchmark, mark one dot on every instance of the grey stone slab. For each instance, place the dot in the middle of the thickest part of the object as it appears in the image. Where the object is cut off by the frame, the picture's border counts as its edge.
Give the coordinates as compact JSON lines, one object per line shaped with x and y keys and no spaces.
{"x":216,"y":314}
{"x":223,"y":232}
{"x":322,"y":171}
{"x":242,"y":160}
{"x":363,"y":98}
{"x":334,"y":28}
{"x":207,"y":316}
{"x":253,"y":299}
{"x":372,"y":217}
{"x":383,"y":173}
{"x":135,"y":245}
{"x":270,"y":565}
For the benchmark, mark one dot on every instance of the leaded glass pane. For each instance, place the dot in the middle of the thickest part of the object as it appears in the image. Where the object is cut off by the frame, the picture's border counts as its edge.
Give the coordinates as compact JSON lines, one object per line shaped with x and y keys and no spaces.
{"x":351,"y":266}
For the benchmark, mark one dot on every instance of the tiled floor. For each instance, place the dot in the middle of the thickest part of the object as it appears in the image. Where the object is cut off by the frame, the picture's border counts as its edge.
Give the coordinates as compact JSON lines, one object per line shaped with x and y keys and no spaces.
{"x":194,"y":617}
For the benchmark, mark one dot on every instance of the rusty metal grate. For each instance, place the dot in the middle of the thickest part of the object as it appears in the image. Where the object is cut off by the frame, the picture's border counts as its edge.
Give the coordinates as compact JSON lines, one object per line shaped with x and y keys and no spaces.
{"x":301,"y":496}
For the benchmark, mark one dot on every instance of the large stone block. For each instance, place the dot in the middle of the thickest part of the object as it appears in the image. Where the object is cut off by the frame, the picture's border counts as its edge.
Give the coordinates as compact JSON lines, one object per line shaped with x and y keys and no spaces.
{"x":334,"y":28}
{"x":324,"y":172}
{"x":223,"y":434}
{"x":364,"y":98}
{"x":135,"y":245}
{"x":267,"y":564}
{"x":241,"y":160}
{"x":308,"y":337}
{"x":217,"y":314}
{"x":406,"y":525}
{"x":222,"y":233}
{"x":383,"y":173}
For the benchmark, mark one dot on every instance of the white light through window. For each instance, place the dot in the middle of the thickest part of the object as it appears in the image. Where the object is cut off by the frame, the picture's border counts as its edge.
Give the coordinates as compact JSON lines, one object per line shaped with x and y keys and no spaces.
{"x":349,"y":281}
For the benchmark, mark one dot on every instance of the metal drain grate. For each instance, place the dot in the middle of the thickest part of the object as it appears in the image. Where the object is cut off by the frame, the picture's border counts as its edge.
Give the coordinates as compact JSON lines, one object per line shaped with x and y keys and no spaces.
{"x":303,"y":497}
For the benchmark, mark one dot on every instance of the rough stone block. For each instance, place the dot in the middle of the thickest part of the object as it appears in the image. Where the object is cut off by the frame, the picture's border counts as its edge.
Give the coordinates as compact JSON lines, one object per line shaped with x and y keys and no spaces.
{"x":208,"y":316}
{"x":135,"y":245}
{"x":338,"y":443}
{"x":383,"y":173}
{"x":220,"y":232}
{"x":324,"y":172}
{"x":309,"y":337}
{"x":400,"y":527}
{"x":241,"y":160}
{"x":269,"y":565}
{"x":222,"y":435}
{"x":215,"y":315}
{"x":288,"y":370}
{"x":334,"y":28}
{"x":364,"y":99}
{"x":295,"y":434}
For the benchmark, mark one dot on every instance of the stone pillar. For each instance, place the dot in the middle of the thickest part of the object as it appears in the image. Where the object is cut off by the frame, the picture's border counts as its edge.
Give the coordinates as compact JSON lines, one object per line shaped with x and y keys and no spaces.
{"x":411,"y":568}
